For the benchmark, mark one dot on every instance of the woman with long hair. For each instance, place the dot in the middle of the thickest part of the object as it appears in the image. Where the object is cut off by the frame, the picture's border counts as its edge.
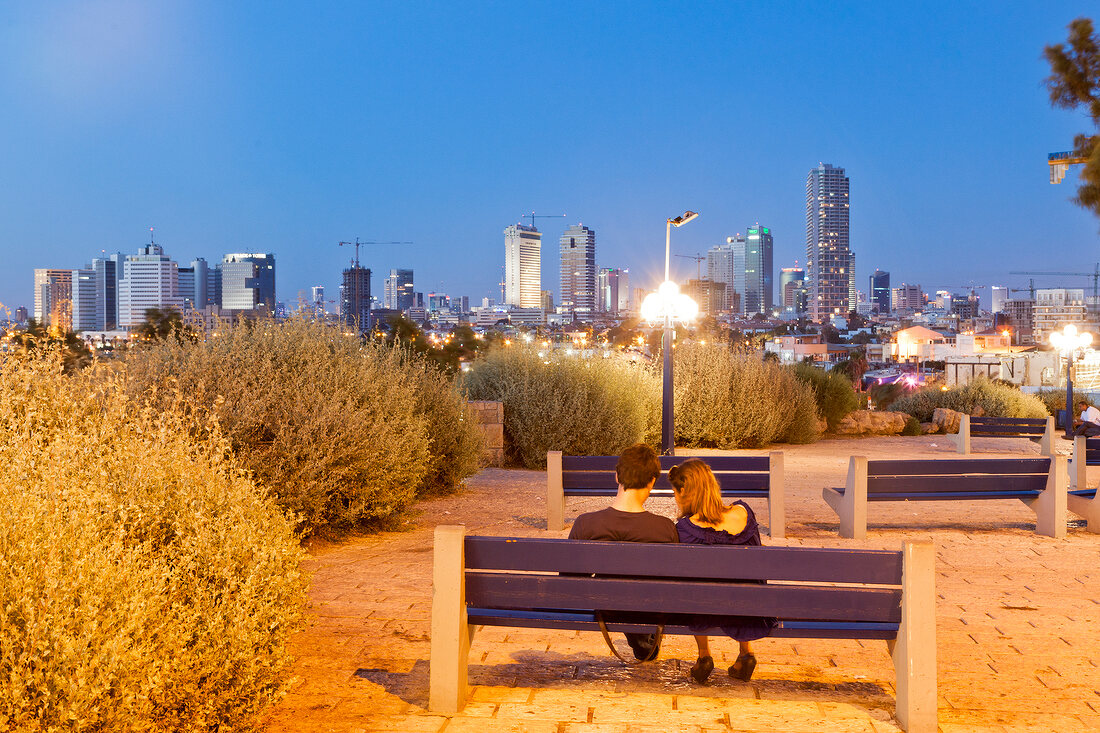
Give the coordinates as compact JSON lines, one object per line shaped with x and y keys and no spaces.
{"x":706,"y":520}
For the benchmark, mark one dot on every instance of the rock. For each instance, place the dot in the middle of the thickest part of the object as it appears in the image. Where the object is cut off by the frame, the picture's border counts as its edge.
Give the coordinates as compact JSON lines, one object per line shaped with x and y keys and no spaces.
{"x":927,"y":428}
{"x":946,"y":421}
{"x":872,"y":422}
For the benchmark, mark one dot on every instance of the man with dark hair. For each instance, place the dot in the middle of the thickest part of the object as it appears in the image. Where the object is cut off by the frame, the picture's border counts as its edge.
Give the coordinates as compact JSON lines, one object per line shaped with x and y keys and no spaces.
{"x":626,"y":520}
{"x":1088,"y":424}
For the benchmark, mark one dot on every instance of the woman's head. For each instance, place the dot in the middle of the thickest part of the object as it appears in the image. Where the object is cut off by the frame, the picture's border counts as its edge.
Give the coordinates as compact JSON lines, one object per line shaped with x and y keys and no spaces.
{"x":697,"y":491}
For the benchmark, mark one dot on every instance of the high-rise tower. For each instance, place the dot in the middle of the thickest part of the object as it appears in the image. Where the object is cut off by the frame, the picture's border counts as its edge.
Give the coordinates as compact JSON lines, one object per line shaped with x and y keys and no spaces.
{"x":879,"y":291}
{"x":522,"y":266}
{"x":830,"y":264}
{"x":758,"y":271}
{"x":578,"y":271}
{"x":398,"y":293}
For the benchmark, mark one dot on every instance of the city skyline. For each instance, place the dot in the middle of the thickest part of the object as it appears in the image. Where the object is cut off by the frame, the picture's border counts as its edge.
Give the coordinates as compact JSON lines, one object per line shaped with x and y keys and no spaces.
{"x":230,"y":136}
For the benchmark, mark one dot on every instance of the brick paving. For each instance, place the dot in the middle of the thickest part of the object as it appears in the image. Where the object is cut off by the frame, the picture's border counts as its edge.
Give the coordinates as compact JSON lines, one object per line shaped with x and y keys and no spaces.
{"x":1017,"y":619}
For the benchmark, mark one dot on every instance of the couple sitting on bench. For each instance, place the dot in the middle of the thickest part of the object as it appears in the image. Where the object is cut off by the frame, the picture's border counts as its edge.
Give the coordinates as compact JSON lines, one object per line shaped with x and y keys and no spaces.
{"x":704,"y":519}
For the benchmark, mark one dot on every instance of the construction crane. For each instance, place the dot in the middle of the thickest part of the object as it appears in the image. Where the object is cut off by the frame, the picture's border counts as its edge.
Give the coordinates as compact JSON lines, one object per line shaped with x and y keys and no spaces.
{"x":532,"y":216}
{"x":1030,"y":289}
{"x":971,"y":287}
{"x":1095,"y":275}
{"x":355,"y":279}
{"x":1060,"y":162}
{"x":698,"y":264}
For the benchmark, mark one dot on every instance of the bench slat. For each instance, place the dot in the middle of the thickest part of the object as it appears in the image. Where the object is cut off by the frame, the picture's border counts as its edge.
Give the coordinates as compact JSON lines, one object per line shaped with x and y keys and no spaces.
{"x":1030,"y":421}
{"x":650,"y":595}
{"x":727,"y":482}
{"x":1084,"y":493}
{"x":976,"y":484}
{"x":1004,"y":430}
{"x":939,"y":467}
{"x":945,"y":495}
{"x":745,"y":493}
{"x":716,"y":463}
{"x":635,"y":559}
{"x":581,"y":621}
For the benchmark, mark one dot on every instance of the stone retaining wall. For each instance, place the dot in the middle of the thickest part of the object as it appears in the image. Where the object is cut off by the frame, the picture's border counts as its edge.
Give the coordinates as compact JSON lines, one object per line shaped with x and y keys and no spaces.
{"x":490,"y":418}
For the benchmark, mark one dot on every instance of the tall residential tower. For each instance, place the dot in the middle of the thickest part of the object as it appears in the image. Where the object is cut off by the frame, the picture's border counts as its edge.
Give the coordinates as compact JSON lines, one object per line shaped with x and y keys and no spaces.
{"x":830,"y":264}
{"x":578,"y":272}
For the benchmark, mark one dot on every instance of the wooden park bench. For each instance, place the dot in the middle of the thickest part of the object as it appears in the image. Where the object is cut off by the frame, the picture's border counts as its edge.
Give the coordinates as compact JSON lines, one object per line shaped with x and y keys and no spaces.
{"x":815,"y":593}
{"x":742,"y":477}
{"x":1005,"y":427}
{"x":1038,"y":482}
{"x":1082,"y":500}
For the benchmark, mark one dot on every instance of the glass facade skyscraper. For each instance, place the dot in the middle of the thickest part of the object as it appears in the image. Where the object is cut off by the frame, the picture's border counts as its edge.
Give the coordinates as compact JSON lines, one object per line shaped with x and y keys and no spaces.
{"x":758,"y":295}
{"x":879,"y":291}
{"x":522,"y":266}
{"x":578,"y":272}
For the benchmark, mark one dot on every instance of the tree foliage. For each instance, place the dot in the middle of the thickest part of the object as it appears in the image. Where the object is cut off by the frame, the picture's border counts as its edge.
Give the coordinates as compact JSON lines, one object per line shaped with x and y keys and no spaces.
{"x":37,"y":338}
{"x":1075,"y":82}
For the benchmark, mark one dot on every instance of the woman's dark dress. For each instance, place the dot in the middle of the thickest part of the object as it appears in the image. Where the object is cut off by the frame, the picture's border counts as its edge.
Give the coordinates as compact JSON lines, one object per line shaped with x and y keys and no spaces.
{"x":741,"y":628}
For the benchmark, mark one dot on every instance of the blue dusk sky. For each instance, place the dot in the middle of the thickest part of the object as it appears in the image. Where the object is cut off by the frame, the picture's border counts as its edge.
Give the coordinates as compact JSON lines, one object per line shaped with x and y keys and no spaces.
{"x":287,"y":127}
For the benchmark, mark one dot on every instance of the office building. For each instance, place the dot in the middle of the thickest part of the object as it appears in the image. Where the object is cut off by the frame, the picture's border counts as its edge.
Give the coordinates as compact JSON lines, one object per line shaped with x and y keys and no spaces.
{"x":84,"y":315}
{"x":201,"y":269}
{"x":879,"y":291}
{"x":522,"y":266}
{"x":1020,"y":314}
{"x":614,"y":290}
{"x":792,"y":288}
{"x":830,"y":264}
{"x":187,"y":288}
{"x":907,"y":298}
{"x":21,"y":314}
{"x":398,"y":290}
{"x":355,"y":299}
{"x":248,"y":282}
{"x":758,"y":294}
{"x":53,"y":298}
{"x":150,"y":279}
{"x":726,"y":264}
{"x":106,"y":286}
{"x":578,"y":272}
{"x":999,"y":295}
{"x":709,"y":295}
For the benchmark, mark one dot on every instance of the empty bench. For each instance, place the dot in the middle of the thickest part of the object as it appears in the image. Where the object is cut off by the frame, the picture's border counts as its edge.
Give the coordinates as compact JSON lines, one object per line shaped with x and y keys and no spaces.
{"x":743,"y":477}
{"x":1038,"y":482}
{"x":1005,"y":427}
{"x":548,"y":584}
{"x":1082,"y":500}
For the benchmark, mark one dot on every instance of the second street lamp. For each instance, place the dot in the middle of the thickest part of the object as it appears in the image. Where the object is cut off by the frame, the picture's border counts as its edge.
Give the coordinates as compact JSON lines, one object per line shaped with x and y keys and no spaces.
{"x":669,"y":304}
{"x":1068,"y":342}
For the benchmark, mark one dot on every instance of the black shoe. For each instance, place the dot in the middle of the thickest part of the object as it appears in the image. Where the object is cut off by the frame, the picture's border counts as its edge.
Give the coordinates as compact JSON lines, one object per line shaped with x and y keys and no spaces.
{"x":702,"y":669}
{"x":643,"y":646}
{"x":743,"y":668}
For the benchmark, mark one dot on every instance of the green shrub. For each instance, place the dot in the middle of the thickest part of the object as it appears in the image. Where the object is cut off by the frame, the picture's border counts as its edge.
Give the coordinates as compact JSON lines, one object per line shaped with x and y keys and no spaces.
{"x":1055,"y":399}
{"x":341,"y":433}
{"x":581,"y":406}
{"x":833,"y":393}
{"x":145,"y":581}
{"x":912,"y":426}
{"x":728,"y":400}
{"x":995,"y":398}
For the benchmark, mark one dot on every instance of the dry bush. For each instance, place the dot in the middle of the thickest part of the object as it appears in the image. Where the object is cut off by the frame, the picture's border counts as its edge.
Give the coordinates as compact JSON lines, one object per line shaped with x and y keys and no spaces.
{"x":581,"y":406}
{"x":341,"y":433}
{"x":729,"y":400}
{"x":995,"y":398}
{"x":145,"y":582}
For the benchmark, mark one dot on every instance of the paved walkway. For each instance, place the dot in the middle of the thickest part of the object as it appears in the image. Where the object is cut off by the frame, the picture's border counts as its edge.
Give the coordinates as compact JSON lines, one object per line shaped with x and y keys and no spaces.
{"x":1017,"y":623}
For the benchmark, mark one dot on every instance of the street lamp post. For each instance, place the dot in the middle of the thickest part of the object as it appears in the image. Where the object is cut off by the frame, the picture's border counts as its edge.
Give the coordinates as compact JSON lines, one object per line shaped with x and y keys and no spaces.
{"x":1068,"y":342}
{"x":668,"y":304}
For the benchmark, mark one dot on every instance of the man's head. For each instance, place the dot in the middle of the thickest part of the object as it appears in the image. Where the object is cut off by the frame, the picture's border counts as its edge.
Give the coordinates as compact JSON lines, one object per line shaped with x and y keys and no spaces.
{"x":1082,"y":404}
{"x":638,"y":467}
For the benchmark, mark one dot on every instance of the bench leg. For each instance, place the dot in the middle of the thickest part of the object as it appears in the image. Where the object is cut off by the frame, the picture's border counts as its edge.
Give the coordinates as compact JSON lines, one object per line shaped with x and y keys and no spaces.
{"x":1046,"y":443}
{"x":914,"y":651}
{"x":1087,"y":508}
{"x":555,"y":493}
{"x":777,"y":520}
{"x":447,"y":672}
{"x":1078,"y":470}
{"x":1050,"y":506}
{"x":851,"y":507}
{"x":961,"y":439}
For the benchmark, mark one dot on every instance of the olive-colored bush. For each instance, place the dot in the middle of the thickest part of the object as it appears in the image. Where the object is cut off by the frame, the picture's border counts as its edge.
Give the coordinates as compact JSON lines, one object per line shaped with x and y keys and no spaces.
{"x":145,"y":582}
{"x":339,"y":432}
{"x":833,"y":392}
{"x":1055,"y":399}
{"x":912,"y":426}
{"x":581,"y":406}
{"x":995,"y":398}
{"x":729,"y":400}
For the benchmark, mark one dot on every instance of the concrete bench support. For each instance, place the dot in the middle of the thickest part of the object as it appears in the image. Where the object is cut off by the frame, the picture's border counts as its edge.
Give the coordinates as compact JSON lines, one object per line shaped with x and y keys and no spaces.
{"x":451,"y":635}
{"x":1050,"y":506}
{"x":1082,"y":505}
{"x":961,"y":439}
{"x":851,"y":506}
{"x":914,"y":650}
{"x":777,"y":512}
